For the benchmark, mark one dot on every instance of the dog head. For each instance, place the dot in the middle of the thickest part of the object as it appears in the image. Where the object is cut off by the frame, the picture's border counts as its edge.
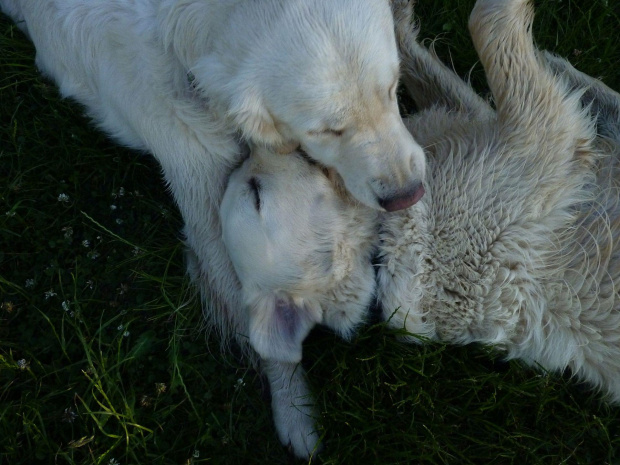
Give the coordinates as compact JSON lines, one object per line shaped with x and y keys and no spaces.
{"x":301,"y":251}
{"x":321,"y":74}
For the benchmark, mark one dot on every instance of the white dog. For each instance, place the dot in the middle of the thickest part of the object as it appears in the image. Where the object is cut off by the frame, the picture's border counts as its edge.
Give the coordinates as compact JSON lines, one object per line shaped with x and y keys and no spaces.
{"x":517,"y":241}
{"x":182,"y":79}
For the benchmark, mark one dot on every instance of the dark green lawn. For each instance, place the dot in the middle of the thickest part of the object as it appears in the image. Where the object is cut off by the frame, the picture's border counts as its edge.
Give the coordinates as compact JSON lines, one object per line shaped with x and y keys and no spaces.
{"x":101,"y":355}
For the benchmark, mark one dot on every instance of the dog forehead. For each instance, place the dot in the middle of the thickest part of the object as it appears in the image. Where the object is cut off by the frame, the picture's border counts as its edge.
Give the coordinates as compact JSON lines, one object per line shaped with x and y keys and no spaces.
{"x":348,"y":101}
{"x":330,"y":36}
{"x":342,"y":19}
{"x":298,"y":206}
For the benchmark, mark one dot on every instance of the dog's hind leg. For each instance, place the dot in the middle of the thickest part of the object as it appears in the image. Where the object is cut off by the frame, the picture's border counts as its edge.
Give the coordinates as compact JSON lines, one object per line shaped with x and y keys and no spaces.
{"x":539,"y":121}
{"x":429,"y":82}
{"x":603,"y":102}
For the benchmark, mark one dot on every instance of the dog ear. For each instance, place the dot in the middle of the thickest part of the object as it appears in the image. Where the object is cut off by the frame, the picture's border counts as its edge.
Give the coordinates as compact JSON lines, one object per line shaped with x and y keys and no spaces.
{"x":278,"y":327}
{"x":250,"y":114}
{"x":239,"y":96}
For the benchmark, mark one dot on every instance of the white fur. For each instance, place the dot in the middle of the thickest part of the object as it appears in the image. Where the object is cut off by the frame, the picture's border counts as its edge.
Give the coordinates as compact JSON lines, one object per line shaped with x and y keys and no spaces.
{"x":517,"y":240}
{"x":298,"y":72}
{"x":184,"y":79}
{"x":302,"y":260}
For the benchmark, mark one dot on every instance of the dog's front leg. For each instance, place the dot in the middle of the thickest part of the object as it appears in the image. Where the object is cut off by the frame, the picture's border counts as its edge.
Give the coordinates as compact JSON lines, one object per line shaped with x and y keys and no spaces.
{"x":291,"y":401}
{"x":293,"y":407}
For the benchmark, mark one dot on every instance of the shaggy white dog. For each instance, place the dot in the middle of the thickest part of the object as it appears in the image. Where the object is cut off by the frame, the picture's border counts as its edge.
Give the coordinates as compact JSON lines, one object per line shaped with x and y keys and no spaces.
{"x":183,"y":79}
{"x":517,"y":241}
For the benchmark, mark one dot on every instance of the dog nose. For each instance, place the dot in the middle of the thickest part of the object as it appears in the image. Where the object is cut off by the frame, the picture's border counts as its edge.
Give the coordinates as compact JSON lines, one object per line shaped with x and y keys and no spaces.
{"x":403,"y":199}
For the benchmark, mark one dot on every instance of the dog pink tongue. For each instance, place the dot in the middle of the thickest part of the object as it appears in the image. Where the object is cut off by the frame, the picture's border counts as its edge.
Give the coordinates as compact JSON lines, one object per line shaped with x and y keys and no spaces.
{"x":404,"y":201}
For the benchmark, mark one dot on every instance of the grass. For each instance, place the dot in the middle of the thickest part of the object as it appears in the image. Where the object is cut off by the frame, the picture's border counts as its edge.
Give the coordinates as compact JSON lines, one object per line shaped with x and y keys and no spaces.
{"x":102,"y":359}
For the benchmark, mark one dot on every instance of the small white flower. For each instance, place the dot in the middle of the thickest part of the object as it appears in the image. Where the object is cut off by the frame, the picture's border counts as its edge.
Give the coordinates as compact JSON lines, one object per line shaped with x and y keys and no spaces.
{"x":126,"y":334}
{"x":119,"y":221}
{"x":86,"y":243}
{"x":49,"y":294}
{"x":121,"y":192}
{"x":113,"y":461}
{"x":196,"y":453}
{"x":93,"y":255}
{"x":10,"y":213}
{"x":23,"y":364}
{"x":65,"y":305}
{"x":136,"y":251}
{"x":69,"y":416}
{"x":29,"y":283}
{"x":120,"y":327}
{"x":113,"y":207}
{"x":90,"y":284}
{"x":68,"y":232}
{"x":63,"y":198}
{"x":240,"y":383}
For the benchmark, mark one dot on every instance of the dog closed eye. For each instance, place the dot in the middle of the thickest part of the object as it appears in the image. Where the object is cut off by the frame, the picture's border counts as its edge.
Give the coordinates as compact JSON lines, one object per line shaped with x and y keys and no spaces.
{"x":255,"y":189}
{"x":327,"y":132}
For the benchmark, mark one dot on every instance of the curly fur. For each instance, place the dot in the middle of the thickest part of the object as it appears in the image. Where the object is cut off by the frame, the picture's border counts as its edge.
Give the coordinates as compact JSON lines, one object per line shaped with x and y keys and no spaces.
{"x":517,"y":241}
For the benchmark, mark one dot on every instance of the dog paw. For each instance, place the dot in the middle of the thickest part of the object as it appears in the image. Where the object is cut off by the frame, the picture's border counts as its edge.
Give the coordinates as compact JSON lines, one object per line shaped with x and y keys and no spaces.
{"x":293,"y":408}
{"x":296,"y":427}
